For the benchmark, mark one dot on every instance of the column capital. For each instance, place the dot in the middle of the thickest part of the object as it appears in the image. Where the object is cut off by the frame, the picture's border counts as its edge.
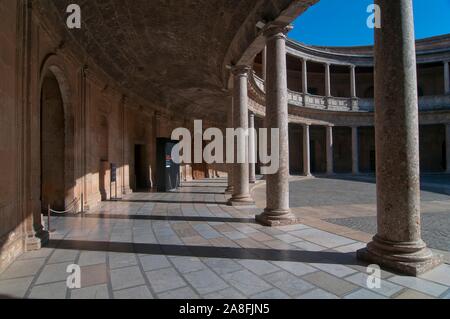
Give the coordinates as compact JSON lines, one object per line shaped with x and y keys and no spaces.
{"x":240,"y":70}
{"x":277,"y":31}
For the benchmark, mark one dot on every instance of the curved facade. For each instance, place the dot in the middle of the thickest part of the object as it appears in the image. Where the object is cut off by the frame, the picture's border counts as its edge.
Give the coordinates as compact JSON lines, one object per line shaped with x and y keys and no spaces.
{"x":330,"y":92}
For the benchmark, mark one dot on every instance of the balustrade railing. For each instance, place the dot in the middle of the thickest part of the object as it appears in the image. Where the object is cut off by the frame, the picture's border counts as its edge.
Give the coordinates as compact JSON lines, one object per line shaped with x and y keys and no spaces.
{"x":426,"y":103}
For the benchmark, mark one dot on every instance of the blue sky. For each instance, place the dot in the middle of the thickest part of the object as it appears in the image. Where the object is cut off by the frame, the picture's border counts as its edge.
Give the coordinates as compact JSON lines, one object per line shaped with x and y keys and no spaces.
{"x":343,"y":22}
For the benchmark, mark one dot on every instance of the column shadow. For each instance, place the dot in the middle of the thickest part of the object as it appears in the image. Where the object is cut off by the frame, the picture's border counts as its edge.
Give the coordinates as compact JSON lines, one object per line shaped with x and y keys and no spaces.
{"x":325,"y":257}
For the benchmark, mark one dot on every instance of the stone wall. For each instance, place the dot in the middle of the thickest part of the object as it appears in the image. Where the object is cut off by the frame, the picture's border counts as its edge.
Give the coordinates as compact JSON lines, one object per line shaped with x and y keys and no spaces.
{"x":88,"y":124}
{"x":11,"y":226}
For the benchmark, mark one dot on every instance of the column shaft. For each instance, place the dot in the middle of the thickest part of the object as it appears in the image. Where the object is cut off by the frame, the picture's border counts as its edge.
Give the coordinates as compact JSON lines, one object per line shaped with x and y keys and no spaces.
{"x":264,"y":64}
{"x":352,"y":81}
{"x":327,"y":80}
{"x":277,"y":211}
{"x":304,"y":80}
{"x":252,"y":149}
{"x":306,"y":151}
{"x":230,"y":167}
{"x":330,"y":151}
{"x":447,"y":77}
{"x":241,"y":187}
{"x":398,"y":244}
{"x":355,"y":151}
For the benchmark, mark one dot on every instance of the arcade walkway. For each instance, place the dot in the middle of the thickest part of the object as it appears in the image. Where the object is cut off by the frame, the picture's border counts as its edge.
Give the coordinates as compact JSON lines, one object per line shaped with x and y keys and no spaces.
{"x":188,"y":244}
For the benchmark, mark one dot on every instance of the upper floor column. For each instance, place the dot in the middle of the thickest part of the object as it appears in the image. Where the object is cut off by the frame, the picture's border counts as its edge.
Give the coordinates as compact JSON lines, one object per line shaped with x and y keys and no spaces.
{"x":305,"y":76}
{"x":353,"y":81}
{"x":447,"y":77}
{"x":327,"y":80}
{"x":277,"y":211}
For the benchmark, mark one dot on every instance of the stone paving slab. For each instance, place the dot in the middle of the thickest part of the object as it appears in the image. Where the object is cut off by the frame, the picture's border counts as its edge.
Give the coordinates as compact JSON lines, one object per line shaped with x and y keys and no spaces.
{"x":213,"y":251}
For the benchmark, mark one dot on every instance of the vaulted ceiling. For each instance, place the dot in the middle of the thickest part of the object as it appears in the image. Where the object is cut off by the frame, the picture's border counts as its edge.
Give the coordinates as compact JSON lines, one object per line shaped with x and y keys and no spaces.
{"x":174,"y":53}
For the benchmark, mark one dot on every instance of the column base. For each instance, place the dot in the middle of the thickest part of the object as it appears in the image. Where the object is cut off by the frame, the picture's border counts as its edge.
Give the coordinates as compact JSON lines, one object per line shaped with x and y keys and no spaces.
{"x":273,"y":218}
{"x":241,"y":200}
{"x":252,"y":181}
{"x":44,"y":236}
{"x":411,"y":259}
{"x":36,"y":240}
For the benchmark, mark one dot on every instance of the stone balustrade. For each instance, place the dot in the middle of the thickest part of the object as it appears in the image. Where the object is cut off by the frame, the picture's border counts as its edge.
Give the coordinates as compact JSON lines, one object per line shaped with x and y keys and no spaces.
{"x":343,"y":104}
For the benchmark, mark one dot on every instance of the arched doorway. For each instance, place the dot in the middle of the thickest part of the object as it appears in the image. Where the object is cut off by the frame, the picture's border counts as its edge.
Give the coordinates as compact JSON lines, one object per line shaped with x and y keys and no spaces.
{"x":53,"y":135}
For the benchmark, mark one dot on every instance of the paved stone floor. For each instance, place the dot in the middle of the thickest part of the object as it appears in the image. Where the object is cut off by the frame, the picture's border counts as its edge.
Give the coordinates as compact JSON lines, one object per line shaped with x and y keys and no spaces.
{"x":346,"y":205}
{"x":336,"y":192}
{"x":188,"y":244}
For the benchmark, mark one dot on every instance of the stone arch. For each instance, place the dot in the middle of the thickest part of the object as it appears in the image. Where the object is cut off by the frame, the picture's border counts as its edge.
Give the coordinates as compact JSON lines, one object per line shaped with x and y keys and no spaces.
{"x":53,"y":77}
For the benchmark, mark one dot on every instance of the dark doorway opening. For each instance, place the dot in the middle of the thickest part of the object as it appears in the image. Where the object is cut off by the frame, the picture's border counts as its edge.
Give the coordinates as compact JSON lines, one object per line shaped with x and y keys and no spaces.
{"x":140,"y":168}
{"x":432,"y":151}
{"x":168,"y":171}
{"x":53,"y":190}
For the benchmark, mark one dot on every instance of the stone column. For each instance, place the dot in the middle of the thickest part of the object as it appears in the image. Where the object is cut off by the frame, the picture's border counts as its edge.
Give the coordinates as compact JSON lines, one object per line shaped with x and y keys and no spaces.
{"x":327,"y":80}
{"x":447,"y":77}
{"x":306,"y":151}
{"x":305,"y":76}
{"x":355,"y":151}
{"x":447,"y":146}
{"x":252,"y":148}
{"x":353,"y":81}
{"x":277,"y":211}
{"x":241,"y":188}
{"x":264,"y":64}
{"x":398,"y":244}
{"x":230,"y":167}
{"x":304,"y":79}
{"x":330,"y":151}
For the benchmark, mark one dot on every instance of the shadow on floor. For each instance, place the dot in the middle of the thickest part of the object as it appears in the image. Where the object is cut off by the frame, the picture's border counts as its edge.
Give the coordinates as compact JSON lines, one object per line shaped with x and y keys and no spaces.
{"x":201,"y":193}
{"x":325,"y":257}
{"x":168,"y":201}
{"x":211,"y":219}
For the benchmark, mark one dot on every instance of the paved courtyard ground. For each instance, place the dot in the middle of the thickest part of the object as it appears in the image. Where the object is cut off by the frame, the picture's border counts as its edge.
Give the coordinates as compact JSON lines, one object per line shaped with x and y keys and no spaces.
{"x":189,"y":244}
{"x":350,"y":202}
